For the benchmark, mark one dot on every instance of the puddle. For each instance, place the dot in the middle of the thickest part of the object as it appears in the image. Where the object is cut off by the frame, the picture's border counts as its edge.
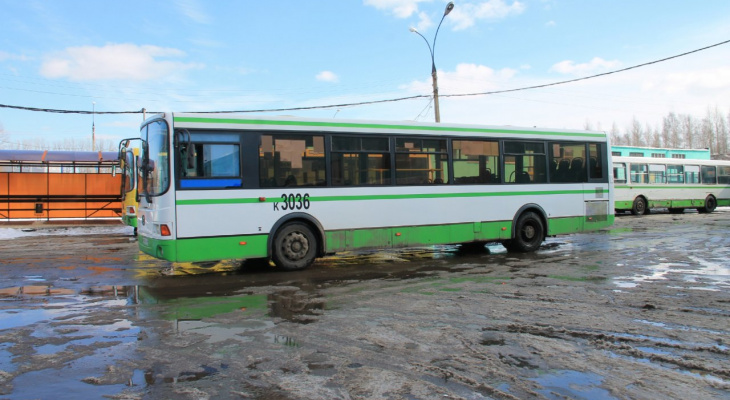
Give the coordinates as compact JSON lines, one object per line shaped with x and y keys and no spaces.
{"x":712,"y":275}
{"x":572,"y":385}
{"x":64,"y":383}
{"x":216,"y":333}
{"x":5,"y":358}
{"x":80,"y":333}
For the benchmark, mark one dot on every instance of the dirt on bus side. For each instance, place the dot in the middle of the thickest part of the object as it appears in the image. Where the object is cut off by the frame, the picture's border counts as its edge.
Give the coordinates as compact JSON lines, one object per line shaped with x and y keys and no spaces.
{"x":636,"y":311}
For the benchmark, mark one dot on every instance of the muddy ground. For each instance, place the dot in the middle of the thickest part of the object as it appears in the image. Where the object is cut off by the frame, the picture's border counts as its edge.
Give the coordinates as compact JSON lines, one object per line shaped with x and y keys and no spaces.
{"x":638,"y":311}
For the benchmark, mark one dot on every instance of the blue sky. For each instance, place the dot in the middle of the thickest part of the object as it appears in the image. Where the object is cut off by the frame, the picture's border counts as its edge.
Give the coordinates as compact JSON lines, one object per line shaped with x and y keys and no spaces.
{"x":194,"y":55}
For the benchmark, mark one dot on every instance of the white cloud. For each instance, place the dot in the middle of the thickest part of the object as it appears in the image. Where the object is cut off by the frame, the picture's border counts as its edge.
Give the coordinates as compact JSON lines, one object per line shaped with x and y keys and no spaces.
{"x":399,"y":8}
{"x":595,"y":65}
{"x":467,"y":78}
{"x":550,"y":24}
{"x":327,"y":76}
{"x":466,"y":15}
{"x":193,"y":10}
{"x":424,"y":22}
{"x":700,"y":82}
{"x":114,"y":61}
{"x":4,"y":56}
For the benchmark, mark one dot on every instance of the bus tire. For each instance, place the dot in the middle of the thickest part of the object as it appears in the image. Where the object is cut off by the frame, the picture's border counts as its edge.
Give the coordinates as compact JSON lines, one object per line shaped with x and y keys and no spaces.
{"x":710,"y":205}
{"x":639,"y":207}
{"x":529,"y":234}
{"x":294,"y":247}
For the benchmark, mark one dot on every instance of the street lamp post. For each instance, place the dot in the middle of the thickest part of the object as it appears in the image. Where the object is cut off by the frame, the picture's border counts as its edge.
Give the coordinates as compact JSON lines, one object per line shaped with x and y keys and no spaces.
{"x":432,"y":50}
{"x":93,"y":125}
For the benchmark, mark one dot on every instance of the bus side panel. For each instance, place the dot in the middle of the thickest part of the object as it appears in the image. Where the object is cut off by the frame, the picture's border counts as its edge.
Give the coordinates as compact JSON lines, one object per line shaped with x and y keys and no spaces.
{"x":236,"y":247}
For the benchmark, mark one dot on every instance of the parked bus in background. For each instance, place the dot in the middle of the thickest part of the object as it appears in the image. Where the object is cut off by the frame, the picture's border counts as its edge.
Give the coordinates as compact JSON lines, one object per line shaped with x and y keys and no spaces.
{"x":218,"y":186}
{"x":677,"y":184}
{"x":128,"y":161}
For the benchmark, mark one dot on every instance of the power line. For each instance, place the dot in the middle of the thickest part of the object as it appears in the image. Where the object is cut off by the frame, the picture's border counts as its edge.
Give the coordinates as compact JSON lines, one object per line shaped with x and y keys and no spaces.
{"x":588,"y":77}
{"x":322,"y":107}
{"x":52,"y":110}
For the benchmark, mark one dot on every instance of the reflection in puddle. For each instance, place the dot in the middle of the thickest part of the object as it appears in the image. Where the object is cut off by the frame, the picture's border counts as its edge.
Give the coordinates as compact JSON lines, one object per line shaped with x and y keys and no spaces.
{"x":73,"y":337}
{"x":569,"y":384}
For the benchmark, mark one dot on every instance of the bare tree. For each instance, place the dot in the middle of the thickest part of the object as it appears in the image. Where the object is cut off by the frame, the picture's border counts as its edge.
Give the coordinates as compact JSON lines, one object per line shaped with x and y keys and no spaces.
{"x":636,"y":133}
{"x":653,"y":136}
{"x":689,"y":132}
{"x":670,"y":130}
{"x":616,"y":137}
{"x":3,"y":137}
{"x":720,"y":128}
{"x":707,"y":134}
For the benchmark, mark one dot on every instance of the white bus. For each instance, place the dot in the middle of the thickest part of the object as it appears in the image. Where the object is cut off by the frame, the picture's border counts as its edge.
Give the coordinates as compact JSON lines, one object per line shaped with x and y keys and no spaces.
{"x":677,"y":184}
{"x":218,"y":186}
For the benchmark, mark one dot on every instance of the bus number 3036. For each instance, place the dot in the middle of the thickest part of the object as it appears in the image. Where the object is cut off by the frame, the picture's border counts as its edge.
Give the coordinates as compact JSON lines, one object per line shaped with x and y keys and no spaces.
{"x":292,"y":201}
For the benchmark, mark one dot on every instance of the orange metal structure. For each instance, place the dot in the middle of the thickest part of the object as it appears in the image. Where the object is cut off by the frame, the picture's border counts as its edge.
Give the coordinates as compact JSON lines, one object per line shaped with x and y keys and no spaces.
{"x":59,"y":184}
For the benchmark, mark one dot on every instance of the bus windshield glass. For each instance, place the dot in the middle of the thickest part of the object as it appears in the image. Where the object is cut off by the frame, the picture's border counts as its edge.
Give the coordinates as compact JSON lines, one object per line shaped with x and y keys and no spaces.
{"x":156,"y":167}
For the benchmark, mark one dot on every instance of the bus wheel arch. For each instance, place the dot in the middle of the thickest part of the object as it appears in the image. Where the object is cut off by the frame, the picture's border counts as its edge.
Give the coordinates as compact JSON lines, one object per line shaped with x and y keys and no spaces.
{"x":296,"y":241}
{"x":529,"y":229}
{"x":640,"y":206}
{"x":710,"y":205}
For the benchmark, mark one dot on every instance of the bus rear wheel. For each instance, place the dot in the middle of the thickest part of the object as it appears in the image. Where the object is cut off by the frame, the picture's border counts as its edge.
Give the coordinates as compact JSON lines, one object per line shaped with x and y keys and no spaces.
{"x":294,"y":247}
{"x":639,"y":207}
{"x":529,"y":234}
{"x":710,"y":205}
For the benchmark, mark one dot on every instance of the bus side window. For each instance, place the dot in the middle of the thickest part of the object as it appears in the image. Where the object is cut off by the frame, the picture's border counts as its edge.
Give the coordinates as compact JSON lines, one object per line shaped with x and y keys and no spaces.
{"x":475,"y":161}
{"x":211,"y":161}
{"x":291,"y":161}
{"x":675,"y":174}
{"x":360,"y":161}
{"x":619,"y":173}
{"x":639,"y":173}
{"x":421,"y":161}
{"x":595,"y":163}
{"x":708,"y":175}
{"x":525,"y":162}
{"x":692,"y":174}
{"x":723,"y":175}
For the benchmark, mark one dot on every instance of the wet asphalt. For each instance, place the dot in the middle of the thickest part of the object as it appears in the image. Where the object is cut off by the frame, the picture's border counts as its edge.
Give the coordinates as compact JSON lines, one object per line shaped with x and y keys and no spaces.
{"x":83,"y":314}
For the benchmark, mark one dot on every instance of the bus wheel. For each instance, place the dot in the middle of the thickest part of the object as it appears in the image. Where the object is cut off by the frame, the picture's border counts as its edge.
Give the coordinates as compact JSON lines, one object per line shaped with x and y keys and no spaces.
{"x":529,"y":234}
{"x":639,"y":207}
{"x":710,"y":205}
{"x":295,"y":247}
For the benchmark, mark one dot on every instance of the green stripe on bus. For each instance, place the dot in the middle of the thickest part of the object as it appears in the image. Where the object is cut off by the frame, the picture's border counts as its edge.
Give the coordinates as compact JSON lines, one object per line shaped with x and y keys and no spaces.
{"x":385,"y":197}
{"x":350,"y":125}
{"x":255,"y":246}
{"x":639,"y":186}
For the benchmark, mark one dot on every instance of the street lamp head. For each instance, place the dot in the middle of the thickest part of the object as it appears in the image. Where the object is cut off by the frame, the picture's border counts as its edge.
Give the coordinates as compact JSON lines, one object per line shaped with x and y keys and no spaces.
{"x":449,"y":7}
{"x":412,"y":29}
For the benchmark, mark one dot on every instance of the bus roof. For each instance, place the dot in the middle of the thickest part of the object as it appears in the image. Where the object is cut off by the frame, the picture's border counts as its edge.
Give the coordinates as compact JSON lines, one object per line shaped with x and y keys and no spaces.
{"x":669,"y":161}
{"x":252,"y":122}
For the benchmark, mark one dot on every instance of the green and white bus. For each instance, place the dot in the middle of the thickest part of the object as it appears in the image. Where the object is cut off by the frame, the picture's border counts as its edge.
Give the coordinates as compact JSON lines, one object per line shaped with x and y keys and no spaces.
{"x":219,"y":186}
{"x":643,"y":183}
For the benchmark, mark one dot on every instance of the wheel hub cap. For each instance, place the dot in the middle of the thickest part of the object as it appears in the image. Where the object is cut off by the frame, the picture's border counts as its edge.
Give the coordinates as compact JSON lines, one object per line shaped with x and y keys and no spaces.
{"x":295,"y":246}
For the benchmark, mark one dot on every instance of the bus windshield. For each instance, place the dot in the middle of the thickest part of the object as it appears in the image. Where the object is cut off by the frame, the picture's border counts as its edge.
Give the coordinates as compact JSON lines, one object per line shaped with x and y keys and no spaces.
{"x":155,"y":167}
